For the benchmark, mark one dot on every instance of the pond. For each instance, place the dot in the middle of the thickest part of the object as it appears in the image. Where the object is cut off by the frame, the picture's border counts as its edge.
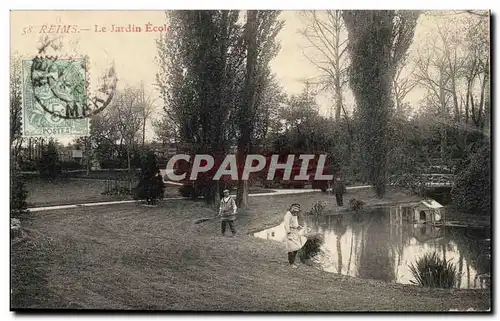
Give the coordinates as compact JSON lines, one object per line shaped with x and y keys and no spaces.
{"x":382,"y":245}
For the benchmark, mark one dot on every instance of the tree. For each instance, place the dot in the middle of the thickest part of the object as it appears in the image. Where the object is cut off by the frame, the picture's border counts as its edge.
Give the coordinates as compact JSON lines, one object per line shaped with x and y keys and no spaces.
{"x":401,"y":86}
{"x":147,"y":109}
{"x":201,"y":64}
{"x":149,"y":187}
{"x":166,"y":131}
{"x":15,"y":101}
{"x":303,"y":130}
{"x":261,"y":30}
{"x":454,"y":69}
{"x":472,"y":190}
{"x":49,"y":163}
{"x":378,"y":40}
{"x":268,"y":103}
{"x":125,"y":110}
{"x":18,"y":192}
{"x":326,"y":36}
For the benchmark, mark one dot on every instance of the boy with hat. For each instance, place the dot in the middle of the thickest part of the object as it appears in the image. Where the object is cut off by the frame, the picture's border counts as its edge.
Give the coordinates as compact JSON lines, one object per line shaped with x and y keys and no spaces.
{"x":227,"y":212}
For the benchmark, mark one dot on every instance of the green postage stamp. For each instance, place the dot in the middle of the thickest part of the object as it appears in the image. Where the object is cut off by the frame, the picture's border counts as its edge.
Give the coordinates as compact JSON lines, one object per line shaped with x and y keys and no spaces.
{"x":54,"y":97}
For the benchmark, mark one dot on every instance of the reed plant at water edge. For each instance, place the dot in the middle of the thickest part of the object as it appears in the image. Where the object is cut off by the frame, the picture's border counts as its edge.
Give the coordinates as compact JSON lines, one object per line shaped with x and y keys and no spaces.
{"x":432,"y":271}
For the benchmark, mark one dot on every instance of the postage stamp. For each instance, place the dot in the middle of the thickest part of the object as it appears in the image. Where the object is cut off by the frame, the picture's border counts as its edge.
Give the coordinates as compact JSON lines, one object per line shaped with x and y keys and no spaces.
{"x":54,"y":97}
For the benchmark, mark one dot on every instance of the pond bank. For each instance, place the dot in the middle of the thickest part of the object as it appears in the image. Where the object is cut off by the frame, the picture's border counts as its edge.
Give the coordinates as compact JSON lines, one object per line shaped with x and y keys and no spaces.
{"x":393,"y":197}
{"x":134,"y":257}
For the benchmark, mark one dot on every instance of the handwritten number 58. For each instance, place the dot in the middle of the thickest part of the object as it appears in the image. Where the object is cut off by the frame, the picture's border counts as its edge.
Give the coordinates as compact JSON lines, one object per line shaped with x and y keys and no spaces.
{"x":27,"y":30}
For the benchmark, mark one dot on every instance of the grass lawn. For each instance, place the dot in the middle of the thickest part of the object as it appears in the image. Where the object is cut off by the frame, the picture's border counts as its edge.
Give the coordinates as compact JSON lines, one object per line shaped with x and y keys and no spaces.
{"x":133,"y":257}
{"x":74,"y":191}
{"x":105,"y":174}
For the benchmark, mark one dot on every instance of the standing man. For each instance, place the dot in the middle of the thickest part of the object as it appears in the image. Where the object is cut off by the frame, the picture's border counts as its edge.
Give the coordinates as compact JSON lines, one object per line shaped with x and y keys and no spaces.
{"x":339,"y":190}
{"x":227,"y":212}
{"x":161,"y":185}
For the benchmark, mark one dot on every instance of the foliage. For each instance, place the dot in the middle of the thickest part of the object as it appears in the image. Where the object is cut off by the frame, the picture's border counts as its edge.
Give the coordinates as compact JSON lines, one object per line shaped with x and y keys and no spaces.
{"x":18,"y":194}
{"x":311,"y":248}
{"x":203,"y":70}
{"x":356,"y":206}
{"x":318,"y":209}
{"x":472,"y":190}
{"x":260,"y":31}
{"x":301,"y":128}
{"x":432,"y":271}
{"x":117,"y":190}
{"x":15,"y":99}
{"x":200,"y":78}
{"x":116,"y":132}
{"x":70,"y":165}
{"x":453,"y":66}
{"x":188,"y":190}
{"x":378,"y":41}
{"x":49,"y":166}
{"x":150,"y":187}
{"x":191,"y":57}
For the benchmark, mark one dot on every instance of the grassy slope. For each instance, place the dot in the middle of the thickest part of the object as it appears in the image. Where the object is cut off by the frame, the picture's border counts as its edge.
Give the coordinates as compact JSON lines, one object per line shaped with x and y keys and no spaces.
{"x":132,"y":257}
{"x":76,"y":191}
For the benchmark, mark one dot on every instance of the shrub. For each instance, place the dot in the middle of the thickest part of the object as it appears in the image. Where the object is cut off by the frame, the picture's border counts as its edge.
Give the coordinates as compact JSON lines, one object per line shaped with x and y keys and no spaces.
{"x":28,"y":165}
{"x":186,"y":190}
{"x":356,"y":206}
{"x":318,"y":209}
{"x":70,"y":165}
{"x":18,"y":195}
{"x":472,"y":190}
{"x":311,"y":248}
{"x":204,"y":188}
{"x":48,"y":166}
{"x":117,"y":191}
{"x":432,"y":271}
{"x":150,"y":185}
{"x":112,"y":164}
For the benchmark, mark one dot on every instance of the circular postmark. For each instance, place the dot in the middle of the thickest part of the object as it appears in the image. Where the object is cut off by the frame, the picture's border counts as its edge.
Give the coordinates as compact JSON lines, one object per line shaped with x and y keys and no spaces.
{"x":61,"y":88}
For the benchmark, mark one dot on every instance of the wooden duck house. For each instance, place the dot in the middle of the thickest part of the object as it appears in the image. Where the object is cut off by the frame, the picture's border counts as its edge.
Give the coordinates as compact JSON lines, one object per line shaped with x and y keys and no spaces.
{"x":427,"y":211}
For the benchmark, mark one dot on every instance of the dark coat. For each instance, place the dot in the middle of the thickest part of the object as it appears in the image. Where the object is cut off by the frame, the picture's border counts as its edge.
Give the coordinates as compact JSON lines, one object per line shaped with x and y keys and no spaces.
{"x":339,"y":187}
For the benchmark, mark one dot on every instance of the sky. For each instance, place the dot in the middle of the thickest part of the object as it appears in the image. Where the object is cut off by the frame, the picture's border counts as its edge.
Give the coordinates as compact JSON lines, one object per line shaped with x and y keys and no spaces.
{"x":133,"y":53}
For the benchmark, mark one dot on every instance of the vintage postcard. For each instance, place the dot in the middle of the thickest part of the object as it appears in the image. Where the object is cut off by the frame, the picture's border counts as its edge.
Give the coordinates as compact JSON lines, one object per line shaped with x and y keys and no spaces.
{"x":262,"y":160}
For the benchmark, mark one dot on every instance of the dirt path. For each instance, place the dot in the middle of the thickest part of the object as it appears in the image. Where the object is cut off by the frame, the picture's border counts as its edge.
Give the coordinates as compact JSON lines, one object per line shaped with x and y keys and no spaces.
{"x":131,"y":257}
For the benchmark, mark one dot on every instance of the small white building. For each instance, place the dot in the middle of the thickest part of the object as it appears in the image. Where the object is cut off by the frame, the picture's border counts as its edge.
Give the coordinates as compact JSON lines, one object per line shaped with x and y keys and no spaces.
{"x":427,"y":211}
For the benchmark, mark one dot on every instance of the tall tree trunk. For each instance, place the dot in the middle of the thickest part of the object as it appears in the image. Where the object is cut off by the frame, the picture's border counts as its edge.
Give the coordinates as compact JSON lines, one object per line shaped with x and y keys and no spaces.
{"x":442,"y":114}
{"x":143,"y":132}
{"x":144,"y":114}
{"x":247,"y":112}
{"x":129,"y":170}
{"x":338,"y":98}
{"x":482,"y":100}
{"x":89,"y":154}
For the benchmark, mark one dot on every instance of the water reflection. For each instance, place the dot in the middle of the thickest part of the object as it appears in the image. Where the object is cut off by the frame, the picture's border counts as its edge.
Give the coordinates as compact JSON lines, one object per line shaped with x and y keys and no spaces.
{"x":382,"y":245}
